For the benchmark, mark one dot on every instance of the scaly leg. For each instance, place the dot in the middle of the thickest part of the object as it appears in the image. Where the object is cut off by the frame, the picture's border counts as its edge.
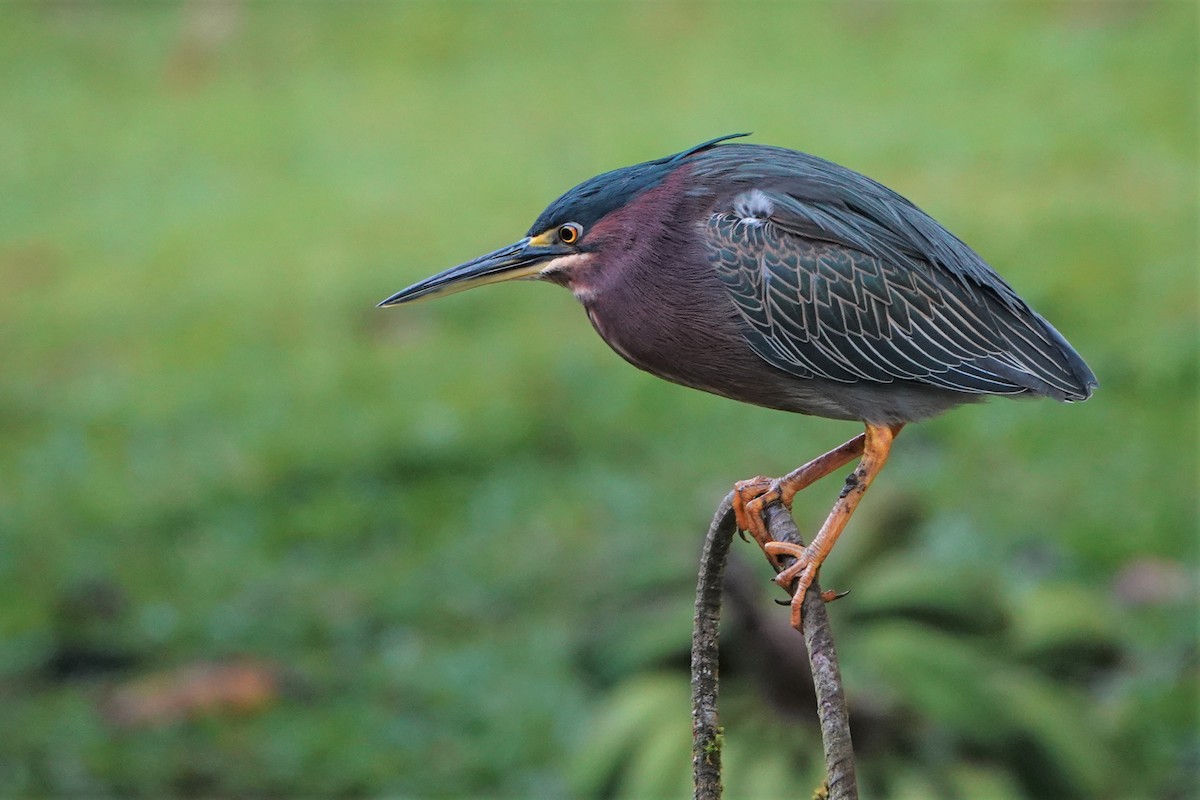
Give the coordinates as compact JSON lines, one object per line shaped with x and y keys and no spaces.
{"x":876,"y":447}
{"x":751,"y":498}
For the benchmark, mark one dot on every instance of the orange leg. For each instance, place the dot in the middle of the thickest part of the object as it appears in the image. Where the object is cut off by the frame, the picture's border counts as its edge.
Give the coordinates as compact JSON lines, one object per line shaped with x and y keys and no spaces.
{"x":876,"y":447}
{"x":751,"y":498}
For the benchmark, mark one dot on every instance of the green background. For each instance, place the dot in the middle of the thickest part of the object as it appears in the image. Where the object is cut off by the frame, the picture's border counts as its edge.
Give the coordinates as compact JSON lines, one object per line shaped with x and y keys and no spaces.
{"x":464,"y":535}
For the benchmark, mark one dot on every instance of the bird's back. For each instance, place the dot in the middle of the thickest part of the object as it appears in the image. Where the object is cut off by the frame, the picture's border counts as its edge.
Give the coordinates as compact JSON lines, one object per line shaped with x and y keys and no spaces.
{"x":837,"y":278}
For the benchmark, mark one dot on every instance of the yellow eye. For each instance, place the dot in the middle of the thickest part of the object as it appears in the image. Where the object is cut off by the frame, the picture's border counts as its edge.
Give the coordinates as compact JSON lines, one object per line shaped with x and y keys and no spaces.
{"x":569,"y":233}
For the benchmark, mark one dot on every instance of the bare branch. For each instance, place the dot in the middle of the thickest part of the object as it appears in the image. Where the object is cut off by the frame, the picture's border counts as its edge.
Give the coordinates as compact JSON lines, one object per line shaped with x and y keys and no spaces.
{"x":827,"y":676}
{"x":827,"y":679}
{"x":706,"y":730}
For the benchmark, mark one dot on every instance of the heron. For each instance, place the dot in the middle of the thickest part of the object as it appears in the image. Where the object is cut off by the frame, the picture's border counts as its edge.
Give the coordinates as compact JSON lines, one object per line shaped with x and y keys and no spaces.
{"x":777,"y":278}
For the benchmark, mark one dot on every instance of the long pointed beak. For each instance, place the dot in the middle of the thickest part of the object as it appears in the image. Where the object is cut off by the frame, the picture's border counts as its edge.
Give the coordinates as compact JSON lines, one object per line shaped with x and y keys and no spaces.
{"x":524,"y":259}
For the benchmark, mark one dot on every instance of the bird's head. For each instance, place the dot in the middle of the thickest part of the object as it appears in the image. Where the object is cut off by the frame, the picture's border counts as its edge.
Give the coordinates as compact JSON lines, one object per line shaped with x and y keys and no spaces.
{"x":557,"y":243}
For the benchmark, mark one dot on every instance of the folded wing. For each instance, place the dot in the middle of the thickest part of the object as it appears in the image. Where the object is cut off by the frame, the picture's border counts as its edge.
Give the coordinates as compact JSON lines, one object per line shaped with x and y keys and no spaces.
{"x":829,"y":291}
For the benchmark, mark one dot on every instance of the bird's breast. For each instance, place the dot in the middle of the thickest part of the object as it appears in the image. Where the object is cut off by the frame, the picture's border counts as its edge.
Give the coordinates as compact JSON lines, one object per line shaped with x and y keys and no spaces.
{"x":684,"y":330}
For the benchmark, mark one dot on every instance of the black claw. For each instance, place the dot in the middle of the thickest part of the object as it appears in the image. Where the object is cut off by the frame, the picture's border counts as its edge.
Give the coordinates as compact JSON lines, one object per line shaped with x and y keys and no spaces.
{"x":742,"y":534}
{"x":782,"y":602}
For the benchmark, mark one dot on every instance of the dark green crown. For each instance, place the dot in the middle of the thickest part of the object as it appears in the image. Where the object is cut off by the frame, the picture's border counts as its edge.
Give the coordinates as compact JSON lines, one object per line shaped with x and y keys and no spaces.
{"x":596,"y":197}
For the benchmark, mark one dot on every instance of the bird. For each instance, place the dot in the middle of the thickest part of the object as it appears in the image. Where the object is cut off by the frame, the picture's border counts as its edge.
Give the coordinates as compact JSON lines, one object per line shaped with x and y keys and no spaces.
{"x":780,"y":279}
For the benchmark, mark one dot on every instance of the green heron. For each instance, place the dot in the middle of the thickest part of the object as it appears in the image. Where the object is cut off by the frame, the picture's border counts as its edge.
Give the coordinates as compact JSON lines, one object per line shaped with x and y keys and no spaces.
{"x":780,"y":279}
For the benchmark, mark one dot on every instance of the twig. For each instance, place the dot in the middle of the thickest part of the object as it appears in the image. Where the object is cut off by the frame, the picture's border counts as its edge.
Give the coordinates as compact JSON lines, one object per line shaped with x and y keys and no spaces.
{"x":706,"y":730}
{"x":827,"y":676}
{"x":827,"y":679}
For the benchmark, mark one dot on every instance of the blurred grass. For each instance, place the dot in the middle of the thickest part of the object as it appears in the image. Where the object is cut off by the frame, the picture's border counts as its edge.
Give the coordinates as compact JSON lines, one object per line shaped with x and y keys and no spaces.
{"x":203,"y":415}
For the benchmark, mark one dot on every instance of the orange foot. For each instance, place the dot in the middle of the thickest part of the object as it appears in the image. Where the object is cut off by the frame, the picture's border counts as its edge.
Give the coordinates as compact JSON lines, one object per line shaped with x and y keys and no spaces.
{"x":750,"y":501}
{"x":803,"y":571}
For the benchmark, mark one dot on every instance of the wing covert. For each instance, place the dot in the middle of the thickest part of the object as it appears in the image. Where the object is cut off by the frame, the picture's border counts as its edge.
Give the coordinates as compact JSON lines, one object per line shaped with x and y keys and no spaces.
{"x":817,"y":306}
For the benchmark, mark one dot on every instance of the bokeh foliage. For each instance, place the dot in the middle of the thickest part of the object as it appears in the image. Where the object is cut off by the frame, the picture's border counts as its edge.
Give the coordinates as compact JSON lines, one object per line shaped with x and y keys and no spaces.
{"x":466,"y":532}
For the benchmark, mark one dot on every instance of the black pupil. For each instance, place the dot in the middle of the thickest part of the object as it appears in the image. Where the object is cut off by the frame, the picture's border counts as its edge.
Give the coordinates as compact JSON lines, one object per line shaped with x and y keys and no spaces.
{"x":567,"y":234}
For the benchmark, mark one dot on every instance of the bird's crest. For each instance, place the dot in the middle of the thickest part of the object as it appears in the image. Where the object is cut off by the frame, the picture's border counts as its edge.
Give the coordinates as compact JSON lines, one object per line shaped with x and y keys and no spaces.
{"x":704,"y":146}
